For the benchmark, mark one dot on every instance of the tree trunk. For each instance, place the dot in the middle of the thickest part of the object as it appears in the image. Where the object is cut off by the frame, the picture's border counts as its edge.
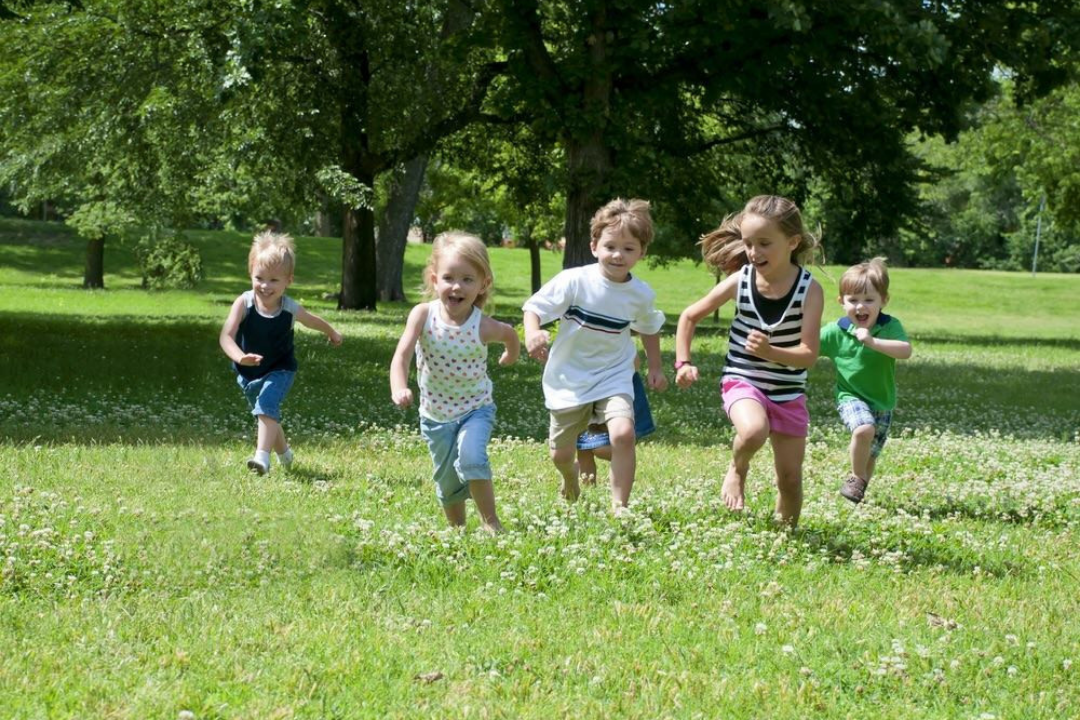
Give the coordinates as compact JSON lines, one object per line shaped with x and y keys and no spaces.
{"x":94,"y":273}
{"x":590,"y":166}
{"x":589,"y":159}
{"x":358,"y":259}
{"x":534,"y":264}
{"x":394,"y":227}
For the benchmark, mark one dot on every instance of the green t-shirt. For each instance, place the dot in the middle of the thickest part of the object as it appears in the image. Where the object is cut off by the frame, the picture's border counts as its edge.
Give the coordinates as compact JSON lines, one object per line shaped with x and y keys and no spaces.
{"x":863,"y":373}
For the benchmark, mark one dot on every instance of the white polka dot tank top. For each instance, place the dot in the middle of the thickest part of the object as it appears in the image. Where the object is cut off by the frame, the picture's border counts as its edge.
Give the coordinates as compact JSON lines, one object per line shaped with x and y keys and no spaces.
{"x":452,"y":366}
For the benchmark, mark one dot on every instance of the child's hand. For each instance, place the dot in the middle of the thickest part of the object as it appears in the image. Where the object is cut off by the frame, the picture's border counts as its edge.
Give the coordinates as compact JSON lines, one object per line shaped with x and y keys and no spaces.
{"x":250,"y":359}
{"x":537,"y":345}
{"x":686,"y":376}
{"x":657,"y":380}
{"x":757,"y":343}
{"x":335,"y":338}
{"x":863,"y":335}
{"x":402,"y":398}
{"x":509,"y":357}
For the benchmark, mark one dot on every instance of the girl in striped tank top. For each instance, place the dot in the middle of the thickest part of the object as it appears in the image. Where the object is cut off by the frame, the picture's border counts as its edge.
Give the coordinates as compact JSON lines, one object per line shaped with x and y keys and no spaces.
{"x":450,"y":335}
{"x":772,"y":341}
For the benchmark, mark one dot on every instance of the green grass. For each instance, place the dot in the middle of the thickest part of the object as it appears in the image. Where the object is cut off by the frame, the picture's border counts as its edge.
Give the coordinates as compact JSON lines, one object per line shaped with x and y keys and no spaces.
{"x":145,"y":573}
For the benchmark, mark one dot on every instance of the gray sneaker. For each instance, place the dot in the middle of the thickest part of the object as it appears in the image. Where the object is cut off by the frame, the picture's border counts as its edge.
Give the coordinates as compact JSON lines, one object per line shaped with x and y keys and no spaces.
{"x":257,"y":467}
{"x":854,"y":489}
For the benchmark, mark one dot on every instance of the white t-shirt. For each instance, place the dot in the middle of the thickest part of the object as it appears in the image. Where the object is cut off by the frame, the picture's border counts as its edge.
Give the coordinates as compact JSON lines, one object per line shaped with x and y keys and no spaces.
{"x":592,"y":357}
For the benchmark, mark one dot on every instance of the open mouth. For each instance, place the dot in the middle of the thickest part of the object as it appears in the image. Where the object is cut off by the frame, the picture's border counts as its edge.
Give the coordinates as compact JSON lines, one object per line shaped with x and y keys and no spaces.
{"x":862,"y":317}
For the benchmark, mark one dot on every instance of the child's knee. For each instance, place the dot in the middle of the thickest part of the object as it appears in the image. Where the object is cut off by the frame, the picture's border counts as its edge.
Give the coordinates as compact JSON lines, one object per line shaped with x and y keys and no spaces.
{"x":754,"y":437}
{"x":863,"y":433}
{"x":789,"y":482}
{"x":621,"y":432}
{"x":563,"y":455}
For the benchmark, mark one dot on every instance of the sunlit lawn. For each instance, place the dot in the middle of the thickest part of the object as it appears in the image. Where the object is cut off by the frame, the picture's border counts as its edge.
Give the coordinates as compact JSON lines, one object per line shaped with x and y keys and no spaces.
{"x":147,"y":574}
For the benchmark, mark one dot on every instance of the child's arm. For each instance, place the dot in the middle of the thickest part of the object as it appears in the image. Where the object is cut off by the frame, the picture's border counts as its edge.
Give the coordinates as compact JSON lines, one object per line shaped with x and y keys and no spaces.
{"x":898,"y":349}
{"x":313,"y":321}
{"x":687,"y":374}
{"x":657,"y":379}
{"x":227,"y":338}
{"x":805,"y":353}
{"x":536,"y":340}
{"x":399,"y":366}
{"x":491,"y":330}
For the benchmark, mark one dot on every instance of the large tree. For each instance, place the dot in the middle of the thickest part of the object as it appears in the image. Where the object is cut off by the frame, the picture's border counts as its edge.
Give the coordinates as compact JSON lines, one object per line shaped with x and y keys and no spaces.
{"x":234,"y":110}
{"x":622,"y":85}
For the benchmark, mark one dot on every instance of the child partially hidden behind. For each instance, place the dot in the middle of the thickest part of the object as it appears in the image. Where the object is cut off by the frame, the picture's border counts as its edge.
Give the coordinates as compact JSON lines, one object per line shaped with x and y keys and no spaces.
{"x":864,"y":345}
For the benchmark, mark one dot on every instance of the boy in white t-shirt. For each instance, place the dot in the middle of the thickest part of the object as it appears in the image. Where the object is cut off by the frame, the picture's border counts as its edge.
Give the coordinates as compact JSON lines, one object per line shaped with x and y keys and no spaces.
{"x":590,"y":367}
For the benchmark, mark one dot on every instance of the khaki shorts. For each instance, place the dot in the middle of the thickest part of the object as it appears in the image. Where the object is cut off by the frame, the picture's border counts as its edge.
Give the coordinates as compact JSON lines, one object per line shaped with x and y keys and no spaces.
{"x":568,"y":423}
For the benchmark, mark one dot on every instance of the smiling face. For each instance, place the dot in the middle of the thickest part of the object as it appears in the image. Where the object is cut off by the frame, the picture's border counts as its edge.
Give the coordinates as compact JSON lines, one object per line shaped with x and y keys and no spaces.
{"x":863,"y":307}
{"x":457,"y":283}
{"x":767,"y":248}
{"x":270,"y":283}
{"x":617,"y":251}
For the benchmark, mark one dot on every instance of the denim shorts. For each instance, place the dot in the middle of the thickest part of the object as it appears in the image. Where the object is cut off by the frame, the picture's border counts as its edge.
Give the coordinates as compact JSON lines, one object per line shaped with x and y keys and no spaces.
{"x":459,"y":452}
{"x":856,"y":413}
{"x":265,"y":394}
{"x":643,"y":421}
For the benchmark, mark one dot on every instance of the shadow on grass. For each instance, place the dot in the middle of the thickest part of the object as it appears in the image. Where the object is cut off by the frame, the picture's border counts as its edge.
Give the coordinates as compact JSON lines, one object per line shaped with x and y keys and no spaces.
{"x":1061,"y":514}
{"x":837,"y":542}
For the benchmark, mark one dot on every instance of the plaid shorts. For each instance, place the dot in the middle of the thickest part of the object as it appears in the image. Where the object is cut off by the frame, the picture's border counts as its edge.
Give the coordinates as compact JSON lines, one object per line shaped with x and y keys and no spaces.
{"x":856,"y":413}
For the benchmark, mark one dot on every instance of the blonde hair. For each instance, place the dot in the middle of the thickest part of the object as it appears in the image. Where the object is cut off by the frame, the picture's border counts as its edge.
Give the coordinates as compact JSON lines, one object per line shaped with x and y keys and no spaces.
{"x":272,"y":249}
{"x":722,"y":248}
{"x":630,"y":215}
{"x":872,"y":273}
{"x":468,"y":247}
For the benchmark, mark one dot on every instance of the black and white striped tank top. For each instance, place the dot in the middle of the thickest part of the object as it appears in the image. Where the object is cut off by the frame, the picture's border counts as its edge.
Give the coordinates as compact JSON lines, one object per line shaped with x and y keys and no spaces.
{"x":779,"y":383}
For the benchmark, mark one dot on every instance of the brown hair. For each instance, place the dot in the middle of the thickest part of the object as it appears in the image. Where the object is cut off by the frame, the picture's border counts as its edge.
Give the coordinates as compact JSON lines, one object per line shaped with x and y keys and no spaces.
{"x":470,"y":248}
{"x":872,"y":273}
{"x":722,"y":248}
{"x":272,"y":249}
{"x":630,"y":215}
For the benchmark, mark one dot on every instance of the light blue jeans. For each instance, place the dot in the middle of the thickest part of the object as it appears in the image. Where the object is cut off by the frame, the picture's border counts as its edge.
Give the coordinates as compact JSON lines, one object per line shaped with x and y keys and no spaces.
{"x":459,"y":452}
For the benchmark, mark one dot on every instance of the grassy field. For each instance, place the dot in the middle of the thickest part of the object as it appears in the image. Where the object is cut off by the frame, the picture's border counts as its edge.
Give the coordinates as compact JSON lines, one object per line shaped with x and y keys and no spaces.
{"x":147,"y":574}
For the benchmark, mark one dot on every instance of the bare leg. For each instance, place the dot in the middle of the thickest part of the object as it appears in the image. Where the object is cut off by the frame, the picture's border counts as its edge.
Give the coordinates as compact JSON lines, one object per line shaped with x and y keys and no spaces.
{"x":271,"y":436}
{"x":483,"y":494}
{"x":623,"y":460}
{"x":563,"y":458}
{"x":871,"y":463}
{"x":751,"y":431}
{"x":788,"y":453}
{"x":455,"y":514}
{"x":859,"y":449}
{"x":586,"y":467}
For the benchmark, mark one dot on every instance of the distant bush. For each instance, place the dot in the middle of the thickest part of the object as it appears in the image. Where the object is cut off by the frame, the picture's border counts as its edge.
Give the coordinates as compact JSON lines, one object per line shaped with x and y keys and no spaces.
{"x":166,"y":260}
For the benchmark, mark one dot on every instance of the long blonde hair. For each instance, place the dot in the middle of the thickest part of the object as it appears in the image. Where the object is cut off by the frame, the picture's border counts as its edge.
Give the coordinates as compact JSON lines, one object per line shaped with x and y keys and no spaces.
{"x":470,"y":248}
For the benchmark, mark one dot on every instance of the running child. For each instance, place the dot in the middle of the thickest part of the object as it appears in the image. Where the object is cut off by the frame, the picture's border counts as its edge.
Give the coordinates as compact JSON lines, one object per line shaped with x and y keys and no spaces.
{"x":258,"y":338}
{"x":864,"y":345}
{"x":450,"y":335}
{"x":589,"y":368}
{"x":773,"y":340}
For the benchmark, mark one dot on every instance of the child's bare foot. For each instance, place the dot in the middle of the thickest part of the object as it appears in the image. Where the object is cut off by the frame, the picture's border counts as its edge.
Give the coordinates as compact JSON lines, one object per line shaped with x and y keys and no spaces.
{"x":732,"y":490}
{"x":570,"y":488}
{"x":492,"y":528}
{"x":619,"y":510}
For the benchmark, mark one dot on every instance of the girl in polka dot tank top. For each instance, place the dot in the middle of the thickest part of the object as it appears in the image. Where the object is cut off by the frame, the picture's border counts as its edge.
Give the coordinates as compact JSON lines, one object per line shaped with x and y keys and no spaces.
{"x":449,"y":335}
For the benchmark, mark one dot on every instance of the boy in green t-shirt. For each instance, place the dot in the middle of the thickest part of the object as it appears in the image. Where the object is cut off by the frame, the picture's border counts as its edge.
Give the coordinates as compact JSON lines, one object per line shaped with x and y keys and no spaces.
{"x":865,"y":345}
